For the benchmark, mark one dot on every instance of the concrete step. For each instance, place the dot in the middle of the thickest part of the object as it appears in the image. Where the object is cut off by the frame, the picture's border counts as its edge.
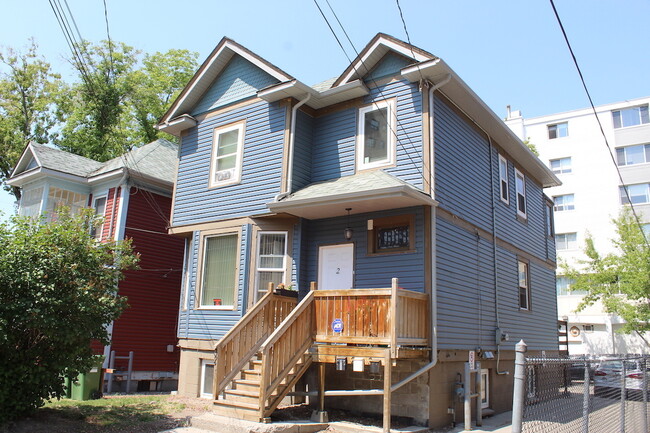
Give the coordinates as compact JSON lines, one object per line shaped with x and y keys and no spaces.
{"x":221,"y":424}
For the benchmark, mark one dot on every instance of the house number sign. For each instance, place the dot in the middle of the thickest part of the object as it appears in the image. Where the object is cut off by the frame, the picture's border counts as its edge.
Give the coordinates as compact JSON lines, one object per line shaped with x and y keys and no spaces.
{"x":337,"y":326}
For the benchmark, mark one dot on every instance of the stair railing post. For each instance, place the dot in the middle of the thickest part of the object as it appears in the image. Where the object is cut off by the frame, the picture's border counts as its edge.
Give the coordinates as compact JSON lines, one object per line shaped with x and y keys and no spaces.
{"x":387,"y":385}
{"x":393,"y":317}
{"x":264,"y":379}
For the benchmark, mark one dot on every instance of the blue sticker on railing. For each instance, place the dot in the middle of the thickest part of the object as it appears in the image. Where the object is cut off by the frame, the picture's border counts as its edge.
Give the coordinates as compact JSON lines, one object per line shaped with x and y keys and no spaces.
{"x":337,"y":325}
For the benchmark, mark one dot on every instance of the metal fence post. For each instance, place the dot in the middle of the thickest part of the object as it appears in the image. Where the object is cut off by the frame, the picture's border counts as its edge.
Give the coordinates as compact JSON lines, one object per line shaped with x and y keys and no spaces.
{"x":585,"y":400}
{"x":623,"y":394}
{"x":467,"y":413}
{"x":644,"y":423}
{"x":111,"y":365}
{"x":519,"y":386}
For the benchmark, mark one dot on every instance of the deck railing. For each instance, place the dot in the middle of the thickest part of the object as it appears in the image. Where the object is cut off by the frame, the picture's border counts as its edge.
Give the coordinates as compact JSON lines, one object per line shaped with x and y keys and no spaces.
{"x":391,"y":317}
{"x":244,"y":339}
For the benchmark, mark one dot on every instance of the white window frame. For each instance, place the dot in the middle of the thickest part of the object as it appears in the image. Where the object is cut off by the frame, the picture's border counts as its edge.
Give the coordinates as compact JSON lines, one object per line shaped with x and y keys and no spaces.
{"x":526,"y":287}
{"x":198,"y":296}
{"x":522,"y":193}
{"x":100,"y":229}
{"x":503,"y":180}
{"x":556,"y":128}
{"x":485,"y":388}
{"x":624,"y":197}
{"x":622,"y":151}
{"x":260,"y":290}
{"x":236,"y":177}
{"x":562,"y":169}
{"x":187,"y":271}
{"x":564,"y":206}
{"x":30,"y":192}
{"x":391,"y":125}
{"x":204,"y":364}
{"x":620,"y":116}
{"x":563,"y":238}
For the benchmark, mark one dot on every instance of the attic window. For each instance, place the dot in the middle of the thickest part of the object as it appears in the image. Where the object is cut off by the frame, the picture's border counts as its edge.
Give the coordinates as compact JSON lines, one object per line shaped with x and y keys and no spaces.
{"x":226,"y":163}
{"x":376,"y":140}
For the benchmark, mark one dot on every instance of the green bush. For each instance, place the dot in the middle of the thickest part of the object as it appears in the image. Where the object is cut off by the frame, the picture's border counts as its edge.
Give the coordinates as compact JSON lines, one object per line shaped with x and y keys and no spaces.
{"x":58,"y":291}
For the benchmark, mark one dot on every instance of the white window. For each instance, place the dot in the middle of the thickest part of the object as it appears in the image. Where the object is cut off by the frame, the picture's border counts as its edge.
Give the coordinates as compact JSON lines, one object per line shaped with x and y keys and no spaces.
{"x":558,"y":130}
{"x":630,"y":116}
{"x":646,"y":230}
{"x":520,"y":182}
{"x":207,"y":378}
{"x":566,"y":241}
{"x":563,"y":286}
{"x":550,"y":227}
{"x":187,"y":271}
{"x":588,"y":328}
{"x":58,"y":197}
{"x":227,"y":155}
{"x":503,"y":178}
{"x":30,"y":202}
{"x":638,"y":194}
{"x":376,"y":141}
{"x":630,"y":155}
{"x":271,"y":260}
{"x":564,"y":202}
{"x":219,"y":279}
{"x":99,"y":204}
{"x":524,"y":286}
{"x":485,"y":388}
{"x":561,"y":165}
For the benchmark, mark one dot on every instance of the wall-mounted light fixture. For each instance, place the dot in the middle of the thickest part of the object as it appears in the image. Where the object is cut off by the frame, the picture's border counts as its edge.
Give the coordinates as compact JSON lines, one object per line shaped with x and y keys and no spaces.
{"x":348,"y":232}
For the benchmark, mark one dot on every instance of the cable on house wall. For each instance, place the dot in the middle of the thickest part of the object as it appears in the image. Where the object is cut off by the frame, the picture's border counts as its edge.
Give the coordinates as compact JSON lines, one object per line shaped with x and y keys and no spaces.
{"x":600,"y":125}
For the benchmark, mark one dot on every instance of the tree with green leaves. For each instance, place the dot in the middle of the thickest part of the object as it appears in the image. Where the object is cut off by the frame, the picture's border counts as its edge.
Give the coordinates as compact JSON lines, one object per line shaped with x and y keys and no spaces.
{"x":28,"y":94}
{"x":619,"y":280}
{"x":58,"y":292}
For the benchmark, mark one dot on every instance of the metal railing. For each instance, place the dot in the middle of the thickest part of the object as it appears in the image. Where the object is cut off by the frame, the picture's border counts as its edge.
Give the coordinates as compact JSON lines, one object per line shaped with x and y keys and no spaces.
{"x":604,"y":395}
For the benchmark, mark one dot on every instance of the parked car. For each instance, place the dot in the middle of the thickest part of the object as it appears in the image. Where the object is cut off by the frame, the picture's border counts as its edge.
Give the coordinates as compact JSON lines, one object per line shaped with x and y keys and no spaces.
{"x":608,"y":381}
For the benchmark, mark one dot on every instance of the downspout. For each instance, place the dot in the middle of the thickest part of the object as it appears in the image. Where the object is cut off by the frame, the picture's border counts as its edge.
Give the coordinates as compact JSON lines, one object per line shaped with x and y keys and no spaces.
{"x":292,"y":139}
{"x":433,"y":306}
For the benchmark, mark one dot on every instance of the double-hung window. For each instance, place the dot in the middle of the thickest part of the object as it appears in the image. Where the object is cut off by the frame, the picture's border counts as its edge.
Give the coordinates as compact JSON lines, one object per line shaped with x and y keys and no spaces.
{"x":376,"y":140}
{"x":219,"y":271}
{"x":564,"y":202}
{"x":630,"y":155}
{"x":271,"y":260}
{"x":226,"y":161}
{"x":636,"y":194}
{"x":558,"y":130}
{"x":524,"y":285}
{"x":99,"y":204}
{"x":520,"y":183}
{"x":503,"y":178}
{"x":561,"y":165}
{"x":566,"y":241}
{"x":630,"y":116}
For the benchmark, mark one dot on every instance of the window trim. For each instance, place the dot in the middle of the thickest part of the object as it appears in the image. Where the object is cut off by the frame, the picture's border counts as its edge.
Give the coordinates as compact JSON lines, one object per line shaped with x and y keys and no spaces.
{"x":187,"y":271}
{"x":528,"y":307}
{"x":556,"y":129}
{"x":626,"y":197}
{"x":204,"y":364}
{"x":621,"y":126}
{"x":258,"y":269}
{"x":388,"y":222}
{"x":561,"y":170}
{"x":519,"y":174}
{"x":646,"y":154}
{"x":566,"y":241}
{"x":391,"y":125}
{"x":504,"y":180}
{"x":565,"y":207}
{"x":549,"y":219}
{"x":100,"y":229}
{"x":217,"y":132}
{"x":198,"y":295}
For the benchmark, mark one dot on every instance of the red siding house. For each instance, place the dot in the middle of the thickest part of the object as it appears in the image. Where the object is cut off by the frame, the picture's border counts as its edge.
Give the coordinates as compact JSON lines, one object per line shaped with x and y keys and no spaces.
{"x":133,"y":193}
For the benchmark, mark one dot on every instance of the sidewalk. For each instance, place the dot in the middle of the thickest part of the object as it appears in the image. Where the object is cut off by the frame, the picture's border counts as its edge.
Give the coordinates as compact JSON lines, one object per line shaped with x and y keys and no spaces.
{"x":500,"y":423}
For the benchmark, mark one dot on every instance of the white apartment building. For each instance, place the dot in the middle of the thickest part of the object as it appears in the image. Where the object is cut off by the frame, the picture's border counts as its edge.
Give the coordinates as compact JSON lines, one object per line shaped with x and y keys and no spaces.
{"x":591,"y":195}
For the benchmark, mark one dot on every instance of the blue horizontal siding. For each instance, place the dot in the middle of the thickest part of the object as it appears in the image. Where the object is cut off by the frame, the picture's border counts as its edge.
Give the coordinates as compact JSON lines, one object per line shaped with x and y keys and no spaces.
{"x":302,"y":150}
{"x":261,"y":167}
{"x":390,"y":64}
{"x":333,"y":145}
{"x":240,"y":79}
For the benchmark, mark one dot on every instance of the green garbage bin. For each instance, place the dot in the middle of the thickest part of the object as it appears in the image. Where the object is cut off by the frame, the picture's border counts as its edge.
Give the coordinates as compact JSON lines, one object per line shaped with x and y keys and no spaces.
{"x":88,"y":385}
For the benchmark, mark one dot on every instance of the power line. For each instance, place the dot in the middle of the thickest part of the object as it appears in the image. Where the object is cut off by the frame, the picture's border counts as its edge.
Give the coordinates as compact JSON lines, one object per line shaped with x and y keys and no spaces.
{"x":600,"y":125}
{"x":376,"y":86}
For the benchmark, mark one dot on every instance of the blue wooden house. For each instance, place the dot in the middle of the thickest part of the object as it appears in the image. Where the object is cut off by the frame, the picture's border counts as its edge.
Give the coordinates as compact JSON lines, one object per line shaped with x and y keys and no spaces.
{"x":408,"y":217}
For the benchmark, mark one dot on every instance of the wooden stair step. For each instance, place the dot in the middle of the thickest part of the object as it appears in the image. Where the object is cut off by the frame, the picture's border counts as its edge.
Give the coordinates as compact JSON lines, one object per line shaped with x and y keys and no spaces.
{"x":247,"y":385}
{"x":238,"y":410}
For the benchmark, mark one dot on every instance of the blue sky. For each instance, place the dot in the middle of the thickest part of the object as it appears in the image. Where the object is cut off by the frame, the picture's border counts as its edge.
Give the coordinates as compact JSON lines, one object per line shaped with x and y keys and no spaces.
{"x":509,"y":52}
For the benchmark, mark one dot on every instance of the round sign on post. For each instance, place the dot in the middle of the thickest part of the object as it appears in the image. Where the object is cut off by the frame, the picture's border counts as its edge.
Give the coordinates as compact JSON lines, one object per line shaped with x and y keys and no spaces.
{"x":337,"y":326}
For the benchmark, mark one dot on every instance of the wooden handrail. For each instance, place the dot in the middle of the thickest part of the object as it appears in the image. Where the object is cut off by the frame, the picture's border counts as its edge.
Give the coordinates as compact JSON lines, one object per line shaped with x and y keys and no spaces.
{"x":283,"y":349}
{"x":243,"y":340}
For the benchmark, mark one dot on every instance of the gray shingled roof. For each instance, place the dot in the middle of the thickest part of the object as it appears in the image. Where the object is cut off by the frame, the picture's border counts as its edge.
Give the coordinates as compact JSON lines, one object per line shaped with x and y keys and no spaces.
{"x":324,"y":85}
{"x":156,"y":159}
{"x":63,"y":161}
{"x":364,"y":181}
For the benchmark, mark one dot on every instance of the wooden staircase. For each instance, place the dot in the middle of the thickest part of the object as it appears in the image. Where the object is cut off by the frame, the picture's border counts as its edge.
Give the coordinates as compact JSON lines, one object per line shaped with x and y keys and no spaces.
{"x":254,"y":371}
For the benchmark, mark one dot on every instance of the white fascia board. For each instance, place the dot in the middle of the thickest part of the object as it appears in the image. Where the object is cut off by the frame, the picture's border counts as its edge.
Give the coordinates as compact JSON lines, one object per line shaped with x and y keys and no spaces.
{"x":117,"y":173}
{"x":22,"y":160}
{"x":297,"y":89}
{"x":390,"y":45}
{"x":177,"y":125}
{"x":41,"y":172}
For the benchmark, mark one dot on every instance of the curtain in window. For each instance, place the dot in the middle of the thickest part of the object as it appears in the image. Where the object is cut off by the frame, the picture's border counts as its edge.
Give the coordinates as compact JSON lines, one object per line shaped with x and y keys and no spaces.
{"x":219,"y":267}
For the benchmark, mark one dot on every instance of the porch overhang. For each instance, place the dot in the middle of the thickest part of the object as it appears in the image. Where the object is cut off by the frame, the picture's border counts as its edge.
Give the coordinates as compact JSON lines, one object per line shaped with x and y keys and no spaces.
{"x":365,"y":192}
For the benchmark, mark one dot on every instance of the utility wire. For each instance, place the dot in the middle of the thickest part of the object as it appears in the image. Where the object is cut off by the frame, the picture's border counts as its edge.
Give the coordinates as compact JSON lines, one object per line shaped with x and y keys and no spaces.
{"x":408,"y":37}
{"x":600,"y":125}
{"x":376,"y":86}
{"x":110,"y":43}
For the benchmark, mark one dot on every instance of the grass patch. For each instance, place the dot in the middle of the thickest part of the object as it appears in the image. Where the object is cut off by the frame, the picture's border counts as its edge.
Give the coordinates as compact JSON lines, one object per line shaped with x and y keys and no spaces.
{"x":115,"y":410}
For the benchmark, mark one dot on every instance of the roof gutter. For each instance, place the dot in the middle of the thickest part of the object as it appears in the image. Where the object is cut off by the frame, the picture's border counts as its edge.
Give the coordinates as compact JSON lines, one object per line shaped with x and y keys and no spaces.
{"x":292,"y":139}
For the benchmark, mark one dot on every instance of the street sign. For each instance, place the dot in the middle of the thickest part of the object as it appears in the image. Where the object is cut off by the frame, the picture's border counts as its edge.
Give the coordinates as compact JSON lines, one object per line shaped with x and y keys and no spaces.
{"x":472,"y":360}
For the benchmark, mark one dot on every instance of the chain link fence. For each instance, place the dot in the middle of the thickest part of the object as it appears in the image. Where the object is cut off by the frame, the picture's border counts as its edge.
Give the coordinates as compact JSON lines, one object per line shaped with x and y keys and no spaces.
{"x":607,"y":395}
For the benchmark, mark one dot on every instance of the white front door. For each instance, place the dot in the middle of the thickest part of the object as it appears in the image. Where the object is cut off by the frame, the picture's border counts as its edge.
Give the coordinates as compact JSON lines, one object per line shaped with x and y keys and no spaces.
{"x":336,"y":267}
